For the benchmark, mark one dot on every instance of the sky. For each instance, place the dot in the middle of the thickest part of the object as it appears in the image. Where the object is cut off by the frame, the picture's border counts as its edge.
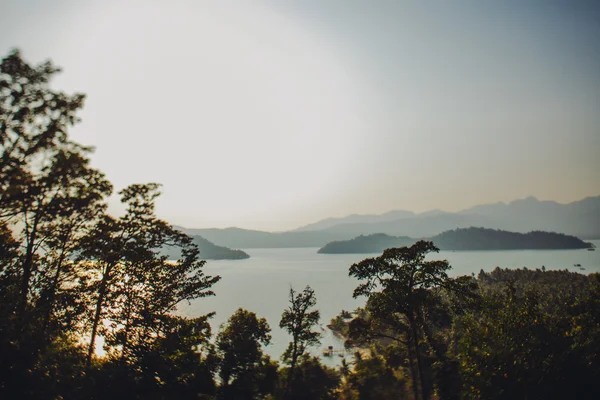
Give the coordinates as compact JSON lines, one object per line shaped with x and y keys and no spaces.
{"x":274,"y":114}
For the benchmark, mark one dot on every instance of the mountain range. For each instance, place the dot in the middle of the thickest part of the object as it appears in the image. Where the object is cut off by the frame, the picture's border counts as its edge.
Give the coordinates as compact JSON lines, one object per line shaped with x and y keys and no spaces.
{"x":580,"y":218}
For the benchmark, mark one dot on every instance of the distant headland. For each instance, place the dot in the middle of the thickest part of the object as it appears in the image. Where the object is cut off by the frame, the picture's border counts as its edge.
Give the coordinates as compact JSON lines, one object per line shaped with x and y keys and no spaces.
{"x":209,"y":251}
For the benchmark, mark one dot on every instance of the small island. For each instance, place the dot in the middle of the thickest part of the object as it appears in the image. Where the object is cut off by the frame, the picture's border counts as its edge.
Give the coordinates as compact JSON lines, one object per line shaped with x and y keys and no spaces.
{"x":462,"y":239}
{"x":375,"y":243}
{"x":209,"y":251}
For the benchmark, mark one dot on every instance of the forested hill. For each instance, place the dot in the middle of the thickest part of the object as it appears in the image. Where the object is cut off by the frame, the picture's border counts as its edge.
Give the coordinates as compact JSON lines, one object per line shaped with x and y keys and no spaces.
{"x":492,"y":239}
{"x":375,"y":243}
{"x":462,"y":239}
{"x":208,"y":251}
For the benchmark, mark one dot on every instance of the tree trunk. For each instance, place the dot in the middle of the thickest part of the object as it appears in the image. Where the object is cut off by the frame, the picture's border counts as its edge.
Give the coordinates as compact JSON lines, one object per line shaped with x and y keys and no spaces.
{"x":125,"y":343}
{"x":286,"y":392}
{"x":447,"y":376}
{"x":52,"y":294}
{"x":415,"y":337}
{"x":413,"y":372}
{"x":97,"y":313}
{"x":27,"y":269}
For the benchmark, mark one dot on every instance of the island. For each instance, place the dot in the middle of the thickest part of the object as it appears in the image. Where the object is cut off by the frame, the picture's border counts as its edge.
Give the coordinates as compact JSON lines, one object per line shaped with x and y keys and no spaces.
{"x":375,"y":243}
{"x":208,"y":251}
{"x":462,"y":239}
{"x":493,"y":239}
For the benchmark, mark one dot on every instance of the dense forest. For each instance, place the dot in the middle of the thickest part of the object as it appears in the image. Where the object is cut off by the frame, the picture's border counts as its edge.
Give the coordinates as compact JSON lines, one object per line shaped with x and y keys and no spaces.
{"x":506,"y":334}
{"x":88,"y":301}
{"x":462,"y":239}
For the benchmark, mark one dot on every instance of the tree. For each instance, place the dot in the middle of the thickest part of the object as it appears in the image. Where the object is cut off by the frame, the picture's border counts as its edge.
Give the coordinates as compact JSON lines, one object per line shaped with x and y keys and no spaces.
{"x":43,"y":176}
{"x":375,"y":377}
{"x":312,"y":380}
{"x":535,"y":335}
{"x":76,"y":202}
{"x":401,"y":285}
{"x":66,"y":267}
{"x":242,"y":365}
{"x":298,"y":320}
{"x":136,"y":288}
{"x":49,"y":195}
{"x":33,"y":120}
{"x":179,"y":364}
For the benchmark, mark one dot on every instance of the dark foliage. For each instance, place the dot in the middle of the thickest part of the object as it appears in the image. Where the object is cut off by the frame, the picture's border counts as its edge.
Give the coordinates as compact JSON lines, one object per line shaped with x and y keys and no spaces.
{"x":245,"y":372}
{"x":311,"y":380}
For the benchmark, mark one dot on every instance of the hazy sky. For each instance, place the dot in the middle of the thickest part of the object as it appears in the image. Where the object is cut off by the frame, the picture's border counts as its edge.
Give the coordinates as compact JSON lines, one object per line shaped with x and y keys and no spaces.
{"x":274,"y":114}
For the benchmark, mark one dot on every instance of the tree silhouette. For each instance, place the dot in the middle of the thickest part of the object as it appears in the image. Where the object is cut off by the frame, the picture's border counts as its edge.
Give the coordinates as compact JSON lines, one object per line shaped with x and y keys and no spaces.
{"x":241,"y":361}
{"x":49,"y":195}
{"x":401,"y":285}
{"x":136,"y":287}
{"x":298,"y":320}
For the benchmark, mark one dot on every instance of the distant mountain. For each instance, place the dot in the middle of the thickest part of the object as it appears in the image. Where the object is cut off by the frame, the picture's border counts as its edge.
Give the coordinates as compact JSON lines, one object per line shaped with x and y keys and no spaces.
{"x":414,"y":227}
{"x":208,"y":251}
{"x":462,"y":239}
{"x":250,"y":239}
{"x":580,"y":218}
{"x":356,"y":218}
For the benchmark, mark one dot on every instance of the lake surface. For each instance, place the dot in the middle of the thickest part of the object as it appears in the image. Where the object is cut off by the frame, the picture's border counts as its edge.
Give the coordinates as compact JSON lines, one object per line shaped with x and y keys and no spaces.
{"x":261,"y":283}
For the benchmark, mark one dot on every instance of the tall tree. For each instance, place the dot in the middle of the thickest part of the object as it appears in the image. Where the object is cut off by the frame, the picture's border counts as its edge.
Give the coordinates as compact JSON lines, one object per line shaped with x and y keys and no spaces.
{"x":42,"y":173}
{"x":64,"y":217}
{"x":400,"y":285}
{"x":298,"y":320}
{"x":49,"y":195}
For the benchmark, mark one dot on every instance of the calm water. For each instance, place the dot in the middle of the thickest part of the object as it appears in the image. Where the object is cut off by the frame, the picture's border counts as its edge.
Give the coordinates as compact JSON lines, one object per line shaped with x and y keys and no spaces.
{"x":261,"y":283}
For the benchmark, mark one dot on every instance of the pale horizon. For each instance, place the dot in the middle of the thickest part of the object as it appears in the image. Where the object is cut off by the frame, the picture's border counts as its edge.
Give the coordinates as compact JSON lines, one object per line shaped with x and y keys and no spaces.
{"x":271,"y":115}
